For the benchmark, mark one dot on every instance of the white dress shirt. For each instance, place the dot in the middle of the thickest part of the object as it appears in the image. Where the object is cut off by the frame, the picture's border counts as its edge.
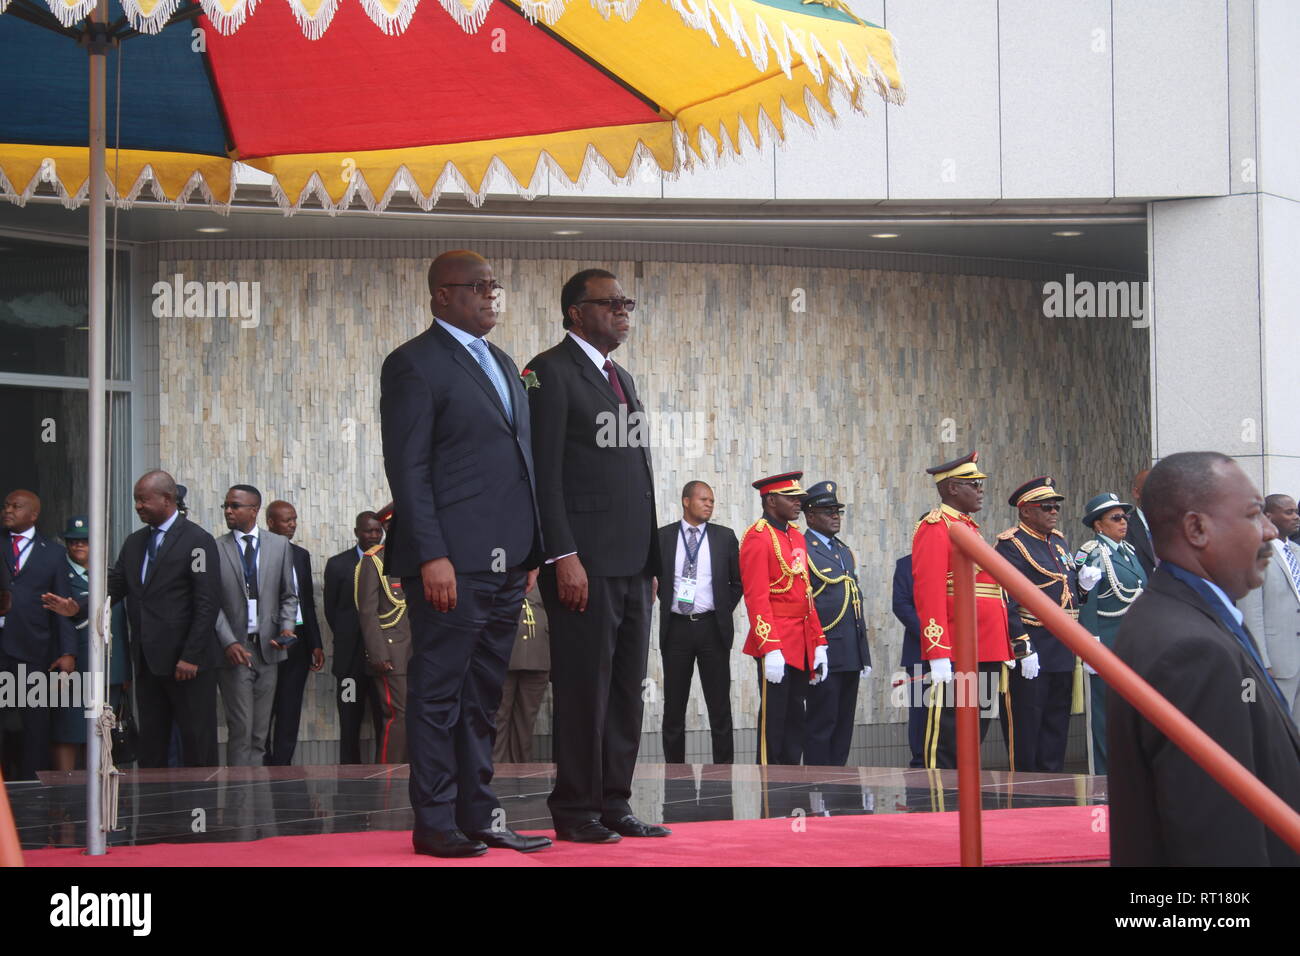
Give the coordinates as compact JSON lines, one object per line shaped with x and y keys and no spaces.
{"x":25,"y":544}
{"x":703,"y":569}
{"x":165,"y":527}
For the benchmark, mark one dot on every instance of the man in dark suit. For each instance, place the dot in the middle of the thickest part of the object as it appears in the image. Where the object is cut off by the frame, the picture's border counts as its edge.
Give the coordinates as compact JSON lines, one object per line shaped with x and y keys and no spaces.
{"x":32,"y":637}
{"x":595,"y":490}
{"x":832,"y":703}
{"x":699,"y":588}
{"x":1139,"y":532}
{"x":170,"y":575}
{"x":1185,"y":637}
{"x":306,"y":654}
{"x":910,"y":659}
{"x":464,"y":539}
{"x":354,"y":691}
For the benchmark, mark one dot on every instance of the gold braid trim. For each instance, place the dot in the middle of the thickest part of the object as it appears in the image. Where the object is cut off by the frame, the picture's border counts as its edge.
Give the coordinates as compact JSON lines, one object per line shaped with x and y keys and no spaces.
{"x":389,"y":618}
{"x":530,"y":622}
{"x":851,"y":593}
{"x":787,"y":573}
{"x":1054,"y":577}
{"x":762,"y":629}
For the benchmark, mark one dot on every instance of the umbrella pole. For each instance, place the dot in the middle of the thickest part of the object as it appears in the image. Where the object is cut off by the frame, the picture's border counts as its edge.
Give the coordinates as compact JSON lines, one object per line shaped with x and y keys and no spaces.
{"x":97,"y":49}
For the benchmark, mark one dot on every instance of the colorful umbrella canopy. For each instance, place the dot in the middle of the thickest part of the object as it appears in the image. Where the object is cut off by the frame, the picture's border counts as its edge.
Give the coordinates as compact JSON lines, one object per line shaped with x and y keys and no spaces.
{"x":341,"y":100}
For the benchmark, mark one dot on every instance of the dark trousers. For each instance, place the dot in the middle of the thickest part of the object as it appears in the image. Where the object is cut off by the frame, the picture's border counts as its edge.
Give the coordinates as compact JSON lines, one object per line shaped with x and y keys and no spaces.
{"x":598,"y":666}
{"x":915,"y":717}
{"x":1097,"y":695}
{"x":685,"y":643}
{"x":458,"y":664}
{"x":784,"y":716}
{"x":521,"y":699}
{"x":831,"y":706}
{"x":1040,"y":720}
{"x":286,"y":709}
{"x":191,"y":704}
{"x":939,"y":748}
{"x":27,"y":749}
{"x":354,"y":698}
{"x":390,"y":745}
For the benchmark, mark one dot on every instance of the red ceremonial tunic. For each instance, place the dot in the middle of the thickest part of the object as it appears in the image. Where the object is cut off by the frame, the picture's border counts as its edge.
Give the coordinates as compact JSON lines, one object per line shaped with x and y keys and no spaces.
{"x":778,"y":596}
{"x":933,"y":595}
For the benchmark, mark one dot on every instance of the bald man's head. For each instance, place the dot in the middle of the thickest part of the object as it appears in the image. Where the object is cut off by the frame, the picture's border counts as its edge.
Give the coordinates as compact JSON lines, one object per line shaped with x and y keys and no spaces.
{"x":155,"y":497}
{"x":20,"y":511}
{"x":463,"y":292}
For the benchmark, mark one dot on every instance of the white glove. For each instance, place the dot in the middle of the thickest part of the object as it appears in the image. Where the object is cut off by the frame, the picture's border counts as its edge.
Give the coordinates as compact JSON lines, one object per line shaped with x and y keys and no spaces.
{"x":821,"y":668}
{"x":941,"y":670}
{"x":1029,"y":666}
{"x":866,"y":672}
{"x":773,"y":666}
{"x":1088,"y":578}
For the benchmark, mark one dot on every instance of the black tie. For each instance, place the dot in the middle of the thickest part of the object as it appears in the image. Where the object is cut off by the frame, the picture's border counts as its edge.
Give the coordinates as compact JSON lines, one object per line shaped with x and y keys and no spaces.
{"x":250,"y":568}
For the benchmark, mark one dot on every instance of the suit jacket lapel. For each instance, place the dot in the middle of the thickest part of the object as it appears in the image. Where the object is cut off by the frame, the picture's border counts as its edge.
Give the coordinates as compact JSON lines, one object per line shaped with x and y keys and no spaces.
{"x":1279,"y":545}
{"x":460,"y":355}
{"x":587,"y":369}
{"x":518,"y":397}
{"x":716,"y":559}
{"x":167,"y":540}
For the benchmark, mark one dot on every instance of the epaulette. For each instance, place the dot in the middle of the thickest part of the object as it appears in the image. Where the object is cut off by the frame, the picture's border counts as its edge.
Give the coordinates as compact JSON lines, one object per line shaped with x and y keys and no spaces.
{"x":1086,"y":549}
{"x":758,"y":525}
{"x":934,"y":517}
{"x":1007,"y":535}
{"x":375,"y":550}
{"x":1058,"y":534}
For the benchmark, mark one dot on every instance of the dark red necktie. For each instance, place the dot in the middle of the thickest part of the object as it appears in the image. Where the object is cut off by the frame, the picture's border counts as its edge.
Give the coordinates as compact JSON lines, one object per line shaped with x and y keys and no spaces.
{"x":614,"y":383}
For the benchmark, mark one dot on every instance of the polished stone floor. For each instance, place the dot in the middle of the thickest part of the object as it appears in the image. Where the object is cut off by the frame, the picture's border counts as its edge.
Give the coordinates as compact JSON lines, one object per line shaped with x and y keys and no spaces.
{"x":242,"y":803}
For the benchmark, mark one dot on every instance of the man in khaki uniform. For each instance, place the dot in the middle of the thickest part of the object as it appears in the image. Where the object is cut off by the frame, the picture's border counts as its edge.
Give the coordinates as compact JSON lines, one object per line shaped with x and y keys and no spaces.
{"x":526,"y":680}
{"x":386,"y":636}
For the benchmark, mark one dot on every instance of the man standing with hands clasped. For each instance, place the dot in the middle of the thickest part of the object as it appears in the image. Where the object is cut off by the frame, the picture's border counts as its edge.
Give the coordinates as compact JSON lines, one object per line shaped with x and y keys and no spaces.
{"x":596,"y":495}
{"x":463,"y":539}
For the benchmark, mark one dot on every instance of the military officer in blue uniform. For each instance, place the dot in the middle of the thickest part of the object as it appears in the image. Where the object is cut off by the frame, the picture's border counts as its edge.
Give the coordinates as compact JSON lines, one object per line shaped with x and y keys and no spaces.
{"x":832,"y":703}
{"x":1042,"y":687}
{"x":1111,"y":577}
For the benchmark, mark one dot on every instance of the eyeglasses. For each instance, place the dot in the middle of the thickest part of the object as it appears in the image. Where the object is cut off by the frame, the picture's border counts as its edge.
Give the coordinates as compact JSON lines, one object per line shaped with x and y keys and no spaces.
{"x":613,"y":304}
{"x":976,"y":483}
{"x":1050,"y":505}
{"x":480,"y":286}
{"x":1118,"y":518}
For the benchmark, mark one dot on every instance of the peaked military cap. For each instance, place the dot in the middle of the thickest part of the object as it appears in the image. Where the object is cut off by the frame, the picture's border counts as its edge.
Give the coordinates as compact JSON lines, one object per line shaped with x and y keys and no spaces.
{"x":1099,"y":505}
{"x":78,"y":529}
{"x":786,"y":484}
{"x":822,"y":495}
{"x":957,"y":468}
{"x":1042,"y":488}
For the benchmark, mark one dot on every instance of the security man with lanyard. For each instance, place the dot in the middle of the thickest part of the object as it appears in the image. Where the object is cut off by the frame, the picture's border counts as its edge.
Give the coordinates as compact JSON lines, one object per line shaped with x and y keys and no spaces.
{"x":1042,"y":688}
{"x":832,"y":703}
{"x":1111,"y":577}
{"x":961,"y":490}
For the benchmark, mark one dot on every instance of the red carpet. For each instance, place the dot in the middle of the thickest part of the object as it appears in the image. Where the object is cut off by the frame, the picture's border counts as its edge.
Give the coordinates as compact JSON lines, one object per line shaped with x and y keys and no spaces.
{"x":1040,"y":835}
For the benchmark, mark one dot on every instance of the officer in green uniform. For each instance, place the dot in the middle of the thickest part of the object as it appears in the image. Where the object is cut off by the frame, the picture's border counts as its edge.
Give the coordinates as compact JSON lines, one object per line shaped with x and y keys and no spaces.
{"x":1111,"y":577}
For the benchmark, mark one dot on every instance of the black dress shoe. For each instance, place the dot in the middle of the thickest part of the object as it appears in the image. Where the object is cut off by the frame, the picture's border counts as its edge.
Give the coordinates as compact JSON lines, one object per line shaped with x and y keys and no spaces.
{"x":447,"y":843}
{"x":589,"y":832}
{"x":630,"y":826}
{"x":509,"y":840}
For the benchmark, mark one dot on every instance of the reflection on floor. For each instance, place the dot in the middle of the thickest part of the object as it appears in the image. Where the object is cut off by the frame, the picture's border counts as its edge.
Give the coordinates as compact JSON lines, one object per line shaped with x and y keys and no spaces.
{"x":249,"y":803}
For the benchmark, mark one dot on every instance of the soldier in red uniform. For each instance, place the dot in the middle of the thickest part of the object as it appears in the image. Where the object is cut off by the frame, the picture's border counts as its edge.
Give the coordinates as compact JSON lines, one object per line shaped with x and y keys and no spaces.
{"x":961,"y":492}
{"x":785,"y":634}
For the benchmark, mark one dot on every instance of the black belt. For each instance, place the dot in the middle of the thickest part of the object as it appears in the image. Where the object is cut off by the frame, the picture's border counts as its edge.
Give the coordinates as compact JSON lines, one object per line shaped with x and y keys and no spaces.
{"x":694,"y":618}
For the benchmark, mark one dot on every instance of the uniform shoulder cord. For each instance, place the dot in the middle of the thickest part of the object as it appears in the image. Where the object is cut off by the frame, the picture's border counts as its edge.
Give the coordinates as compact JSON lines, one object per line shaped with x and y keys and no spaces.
{"x":851,"y":593}
{"x":387,"y":619}
{"x":1054,"y":577}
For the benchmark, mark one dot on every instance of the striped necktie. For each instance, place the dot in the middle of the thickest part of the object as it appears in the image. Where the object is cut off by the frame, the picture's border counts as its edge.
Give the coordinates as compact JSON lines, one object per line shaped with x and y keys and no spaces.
{"x":1291,"y":563}
{"x":485,"y":361}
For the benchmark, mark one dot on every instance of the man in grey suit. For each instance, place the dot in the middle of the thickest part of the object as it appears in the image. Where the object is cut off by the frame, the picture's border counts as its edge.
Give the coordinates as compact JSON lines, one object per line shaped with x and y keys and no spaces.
{"x":1273,"y":611}
{"x":255,"y":625}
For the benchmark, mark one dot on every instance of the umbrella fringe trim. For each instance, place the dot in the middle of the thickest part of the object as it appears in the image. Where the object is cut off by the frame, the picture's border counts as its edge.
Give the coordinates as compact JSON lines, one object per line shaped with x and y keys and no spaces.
{"x":228,"y":23}
{"x":469,"y":20}
{"x":150,"y":23}
{"x":68,"y":15}
{"x":391,"y":24}
{"x":314,"y":27}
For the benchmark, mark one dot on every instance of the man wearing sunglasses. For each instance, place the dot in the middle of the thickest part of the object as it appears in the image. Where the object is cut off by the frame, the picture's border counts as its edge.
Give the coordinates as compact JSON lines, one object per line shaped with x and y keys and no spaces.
{"x":1111,"y":578}
{"x":1042,"y":686}
{"x":595,"y":492}
{"x":960,"y":484}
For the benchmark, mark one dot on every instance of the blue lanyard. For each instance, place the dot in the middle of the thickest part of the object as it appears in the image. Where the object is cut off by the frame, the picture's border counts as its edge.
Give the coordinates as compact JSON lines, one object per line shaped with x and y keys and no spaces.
{"x":17,"y":558}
